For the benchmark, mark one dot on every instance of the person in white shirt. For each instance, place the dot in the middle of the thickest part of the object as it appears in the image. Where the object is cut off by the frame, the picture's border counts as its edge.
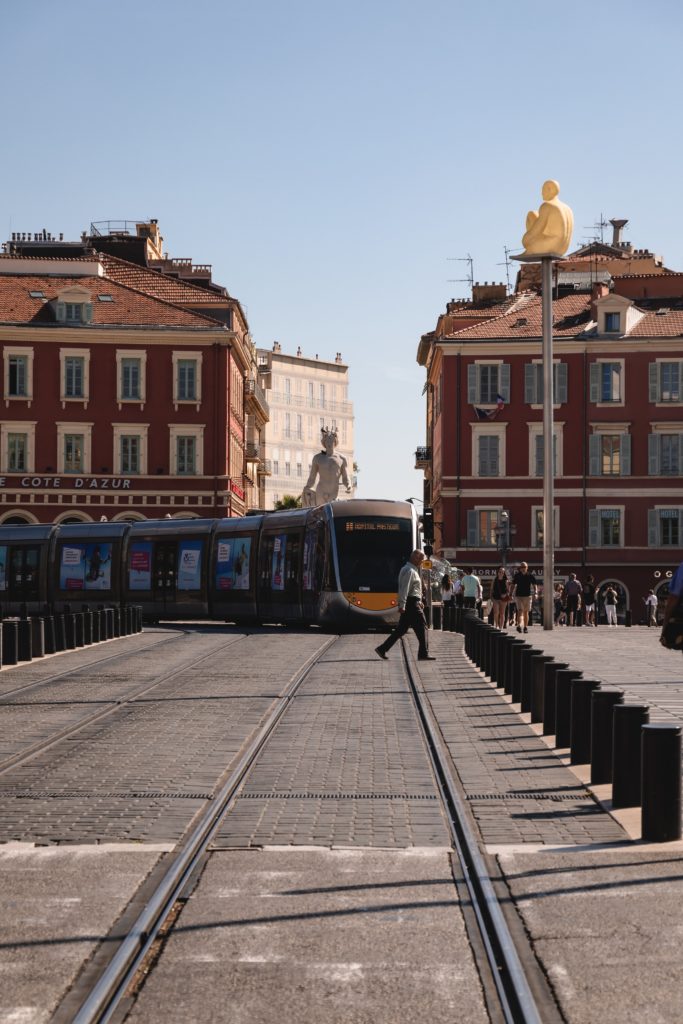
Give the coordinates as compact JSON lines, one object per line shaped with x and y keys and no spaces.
{"x":411,"y":609}
{"x":651,"y":604}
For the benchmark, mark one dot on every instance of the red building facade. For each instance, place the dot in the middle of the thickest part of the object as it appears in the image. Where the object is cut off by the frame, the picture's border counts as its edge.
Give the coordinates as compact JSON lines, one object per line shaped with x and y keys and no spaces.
{"x":618,"y":384}
{"x":118,"y":403}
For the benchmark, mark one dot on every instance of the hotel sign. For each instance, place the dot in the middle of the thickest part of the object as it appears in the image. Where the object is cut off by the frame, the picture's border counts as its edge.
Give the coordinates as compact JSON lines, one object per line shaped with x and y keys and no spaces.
{"x":86,"y":483}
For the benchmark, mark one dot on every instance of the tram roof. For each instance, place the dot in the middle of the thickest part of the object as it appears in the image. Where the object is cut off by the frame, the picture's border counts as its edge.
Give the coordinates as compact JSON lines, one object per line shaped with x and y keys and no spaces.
{"x":372,"y":507}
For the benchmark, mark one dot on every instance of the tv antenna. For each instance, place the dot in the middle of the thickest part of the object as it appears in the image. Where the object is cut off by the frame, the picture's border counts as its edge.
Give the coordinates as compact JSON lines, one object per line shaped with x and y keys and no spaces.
{"x":599,"y":226}
{"x":470,"y":262}
{"x":506,"y":264}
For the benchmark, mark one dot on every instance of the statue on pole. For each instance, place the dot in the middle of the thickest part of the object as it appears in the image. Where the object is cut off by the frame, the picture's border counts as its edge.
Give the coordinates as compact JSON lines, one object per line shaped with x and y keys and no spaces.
{"x":330,"y":469}
{"x":549,"y":229}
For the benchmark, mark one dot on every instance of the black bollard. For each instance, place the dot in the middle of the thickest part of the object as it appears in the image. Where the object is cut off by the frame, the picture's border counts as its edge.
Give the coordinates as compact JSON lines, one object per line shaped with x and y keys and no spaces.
{"x":69,"y":631}
{"x":10,"y":641}
{"x":563,"y":705}
{"x":518,"y":648}
{"x":580,"y":728}
{"x":549,"y":689}
{"x":628,"y":617}
{"x":436,"y":616}
{"x":626,"y":753}
{"x":602,"y":731}
{"x":78,"y":629}
{"x":526,"y":677}
{"x":661,"y":781}
{"x":109,"y":612}
{"x":138,"y":612}
{"x":24,"y":640}
{"x":60,"y":633}
{"x":500,"y":643}
{"x":37,"y":637}
{"x":50,"y":644}
{"x":540,"y":663}
{"x":87,"y":627}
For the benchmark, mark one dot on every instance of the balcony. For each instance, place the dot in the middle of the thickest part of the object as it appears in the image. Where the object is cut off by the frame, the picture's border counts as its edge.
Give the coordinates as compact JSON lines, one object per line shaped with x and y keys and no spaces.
{"x":423,"y":458}
{"x":265,"y":468}
{"x":252,"y":451}
{"x":252,"y":389}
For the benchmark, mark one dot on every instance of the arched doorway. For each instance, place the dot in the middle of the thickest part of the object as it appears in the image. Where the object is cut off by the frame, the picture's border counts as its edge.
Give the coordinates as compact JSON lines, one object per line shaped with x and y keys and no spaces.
{"x":623,"y":600}
{"x":17,"y":521}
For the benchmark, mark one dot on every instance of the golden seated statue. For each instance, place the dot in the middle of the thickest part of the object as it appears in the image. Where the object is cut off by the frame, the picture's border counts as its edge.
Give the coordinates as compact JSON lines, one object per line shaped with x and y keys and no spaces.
{"x":549,"y":229}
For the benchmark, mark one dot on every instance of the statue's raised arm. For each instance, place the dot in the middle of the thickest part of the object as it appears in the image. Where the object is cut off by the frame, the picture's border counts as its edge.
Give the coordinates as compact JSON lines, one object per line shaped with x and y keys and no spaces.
{"x":329,"y":469}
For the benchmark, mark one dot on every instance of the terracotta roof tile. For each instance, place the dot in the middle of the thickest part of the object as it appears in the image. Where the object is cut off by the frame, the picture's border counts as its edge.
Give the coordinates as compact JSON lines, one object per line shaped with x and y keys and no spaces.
{"x":659,"y":325}
{"x":571,"y":316}
{"x":130,"y":308}
{"x":152,"y":282}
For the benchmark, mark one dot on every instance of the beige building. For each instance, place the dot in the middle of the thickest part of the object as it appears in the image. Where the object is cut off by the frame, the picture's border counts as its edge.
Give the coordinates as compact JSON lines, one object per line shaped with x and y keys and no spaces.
{"x":305,"y":394}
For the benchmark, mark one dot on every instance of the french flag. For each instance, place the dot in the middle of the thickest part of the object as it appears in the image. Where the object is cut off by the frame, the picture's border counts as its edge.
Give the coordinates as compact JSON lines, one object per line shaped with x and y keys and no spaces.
{"x":490,"y":414}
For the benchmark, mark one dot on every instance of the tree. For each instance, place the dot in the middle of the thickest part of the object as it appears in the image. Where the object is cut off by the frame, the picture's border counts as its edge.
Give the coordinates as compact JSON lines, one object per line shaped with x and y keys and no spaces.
{"x":287,"y":501}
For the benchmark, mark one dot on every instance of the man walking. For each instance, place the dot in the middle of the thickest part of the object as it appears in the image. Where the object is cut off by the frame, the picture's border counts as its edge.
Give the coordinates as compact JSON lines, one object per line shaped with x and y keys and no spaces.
{"x":651,"y":605}
{"x":411,"y":609}
{"x":588,"y":598}
{"x":471,"y":588}
{"x":523,"y":590}
{"x":572,"y":593}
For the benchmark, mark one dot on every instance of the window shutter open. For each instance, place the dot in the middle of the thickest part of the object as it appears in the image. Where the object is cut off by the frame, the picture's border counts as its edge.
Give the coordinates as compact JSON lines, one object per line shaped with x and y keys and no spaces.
{"x":472,"y":378}
{"x":594,"y":528}
{"x":652,"y":528}
{"x":538,"y":468}
{"x":530,"y":384}
{"x":505,"y":382}
{"x":594,"y":441}
{"x":60,"y":312}
{"x":625,"y":442}
{"x":561,"y":383}
{"x":595,"y":382}
{"x":653,"y":449}
{"x":472,"y":529}
{"x":653,"y":370}
{"x":87,"y":309}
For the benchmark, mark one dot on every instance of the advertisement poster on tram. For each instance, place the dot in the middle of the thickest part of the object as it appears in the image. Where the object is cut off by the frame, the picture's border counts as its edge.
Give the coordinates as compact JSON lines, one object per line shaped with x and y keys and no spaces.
{"x":232,"y":564}
{"x":140,"y":566}
{"x":190,"y":564}
{"x":85,"y":567}
{"x":277,"y":569}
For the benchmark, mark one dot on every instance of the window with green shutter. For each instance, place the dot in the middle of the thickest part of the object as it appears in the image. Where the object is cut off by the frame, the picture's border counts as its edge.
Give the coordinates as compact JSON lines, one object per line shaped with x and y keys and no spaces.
{"x":533,"y":383}
{"x":489,"y":461}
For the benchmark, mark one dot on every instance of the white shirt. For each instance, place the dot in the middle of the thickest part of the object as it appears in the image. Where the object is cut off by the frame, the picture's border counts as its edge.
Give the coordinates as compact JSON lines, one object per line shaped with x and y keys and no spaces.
{"x":409,"y":584}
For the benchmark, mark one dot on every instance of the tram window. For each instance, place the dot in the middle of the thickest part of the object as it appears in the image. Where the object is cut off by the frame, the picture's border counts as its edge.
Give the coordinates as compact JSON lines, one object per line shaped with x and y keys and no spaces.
{"x":190,"y":564}
{"x":371,"y":552}
{"x":23,"y":571}
{"x":278,"y":568}
{"x":233,"y":563}
{"x":3,"y":567}
{"x":85,"y":567}
{"x":140,"y":565}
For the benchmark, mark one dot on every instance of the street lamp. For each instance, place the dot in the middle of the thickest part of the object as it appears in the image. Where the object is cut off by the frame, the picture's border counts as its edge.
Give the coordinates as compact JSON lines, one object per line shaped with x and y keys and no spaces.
{"x":505,"y":531}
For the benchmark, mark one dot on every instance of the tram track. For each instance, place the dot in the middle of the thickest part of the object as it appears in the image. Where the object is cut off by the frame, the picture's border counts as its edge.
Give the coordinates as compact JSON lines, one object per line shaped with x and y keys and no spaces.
{"x":101,"y":1000}
{"x":111,"y":706}
{"x":517,"y":1002}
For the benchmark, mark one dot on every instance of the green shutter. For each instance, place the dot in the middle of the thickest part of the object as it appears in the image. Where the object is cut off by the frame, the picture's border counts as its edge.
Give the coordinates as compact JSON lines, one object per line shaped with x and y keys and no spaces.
{"x":504,"y":380}
{"x":472,"y":539}
{"x":60,"y":312}
{"x":594,"y":441}
{"x":625,"y":444}
{"x":594,"y":528}
{"x":88,"y":312}
{"x":539,"y":447}
{"x":595,"y":382}
{"x":530,"y":384}
{"x":472,"y":381}
{"x":653,"y":450}
{"x":652,"y":528}
{"x":653,"y":371}
{"x":561,"y":383}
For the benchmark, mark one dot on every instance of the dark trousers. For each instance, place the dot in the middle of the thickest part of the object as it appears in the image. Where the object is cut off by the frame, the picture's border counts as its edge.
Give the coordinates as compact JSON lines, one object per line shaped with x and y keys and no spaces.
{"x":470,"y":602}
{"x":412,"y":617}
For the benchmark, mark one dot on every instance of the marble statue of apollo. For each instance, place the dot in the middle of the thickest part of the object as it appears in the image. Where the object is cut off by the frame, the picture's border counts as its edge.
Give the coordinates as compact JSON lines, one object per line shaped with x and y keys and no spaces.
{"x":330,"y":469}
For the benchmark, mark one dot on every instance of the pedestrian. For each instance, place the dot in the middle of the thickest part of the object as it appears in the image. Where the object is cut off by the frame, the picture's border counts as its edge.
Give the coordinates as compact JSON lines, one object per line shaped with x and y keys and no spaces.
{"x":471,"y":589}
{"x":572,"y":593}
{"x":589,"y":602}
{"x":610,"y":598}
{"x":500,"y":595}
{"x":447,"y":592}
{"x":651,"y":605}
{"x":411,"y":609}
{"x":457,"y":590}
{"x":558,"y":607}
{"x":523,"y":590}
{"x":673,"y":610}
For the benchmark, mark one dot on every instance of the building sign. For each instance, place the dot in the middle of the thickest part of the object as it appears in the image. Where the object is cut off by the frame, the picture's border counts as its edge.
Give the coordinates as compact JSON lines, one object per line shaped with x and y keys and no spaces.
{"x":236,"y":489}
{"x":89,"y":483}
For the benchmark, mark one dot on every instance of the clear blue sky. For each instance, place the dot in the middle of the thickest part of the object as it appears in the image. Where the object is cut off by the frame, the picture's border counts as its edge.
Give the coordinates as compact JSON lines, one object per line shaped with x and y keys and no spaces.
{"x":329,"y":157}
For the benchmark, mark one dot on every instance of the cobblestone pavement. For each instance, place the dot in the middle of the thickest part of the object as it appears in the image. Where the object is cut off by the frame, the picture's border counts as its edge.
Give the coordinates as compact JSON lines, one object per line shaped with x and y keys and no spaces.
{"x":143,"y":772}
{"x":518,"y":789}
{"x":346,"y":766}
{"x":632,"y":659}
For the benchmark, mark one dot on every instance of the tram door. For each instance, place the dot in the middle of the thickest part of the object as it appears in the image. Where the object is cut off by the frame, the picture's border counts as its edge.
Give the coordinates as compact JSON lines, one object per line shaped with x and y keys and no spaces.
{"x":279,"y":576}
{"x":165,"y":573}
{"x":23,"y":573}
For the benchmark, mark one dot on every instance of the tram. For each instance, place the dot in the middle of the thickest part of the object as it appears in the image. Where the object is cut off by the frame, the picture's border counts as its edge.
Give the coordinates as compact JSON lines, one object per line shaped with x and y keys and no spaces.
{"x":333,"y":566}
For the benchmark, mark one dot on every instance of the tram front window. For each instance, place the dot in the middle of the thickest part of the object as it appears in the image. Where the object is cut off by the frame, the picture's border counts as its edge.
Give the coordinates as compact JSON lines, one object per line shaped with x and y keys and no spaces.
{"x":371,"y":552}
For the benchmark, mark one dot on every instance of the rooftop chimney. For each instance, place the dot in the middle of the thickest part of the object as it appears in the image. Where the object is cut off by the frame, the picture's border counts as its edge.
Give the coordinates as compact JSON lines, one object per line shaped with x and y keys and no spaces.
{"x":617,"y":227}
{"x":599,"y":292}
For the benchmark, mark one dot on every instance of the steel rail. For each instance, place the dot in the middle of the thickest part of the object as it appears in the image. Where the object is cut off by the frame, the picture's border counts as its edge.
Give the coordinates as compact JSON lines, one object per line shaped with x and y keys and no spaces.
{"x":517,"y":1002}
{"x":102,"y":1001}
{"x":110,"y":707}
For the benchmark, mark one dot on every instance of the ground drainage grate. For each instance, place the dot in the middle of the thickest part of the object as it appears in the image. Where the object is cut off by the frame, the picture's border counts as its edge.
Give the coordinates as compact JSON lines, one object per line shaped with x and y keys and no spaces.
{"x":531,"y":794}
{"x":275,"y":795}
{"x":20,"y":794}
